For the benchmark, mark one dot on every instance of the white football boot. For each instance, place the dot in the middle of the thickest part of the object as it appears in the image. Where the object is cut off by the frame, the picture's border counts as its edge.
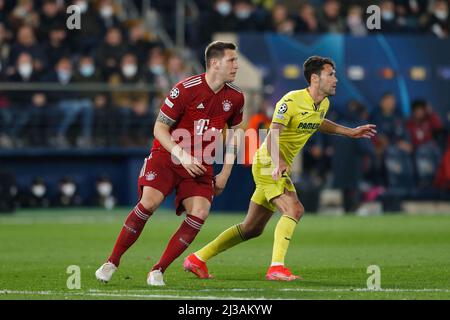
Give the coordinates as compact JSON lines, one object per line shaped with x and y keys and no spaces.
{"x":155,"y":278}
{"x":105,"y":272}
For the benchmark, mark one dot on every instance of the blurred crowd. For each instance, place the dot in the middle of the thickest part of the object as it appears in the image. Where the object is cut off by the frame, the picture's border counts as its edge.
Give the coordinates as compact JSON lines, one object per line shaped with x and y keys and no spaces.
{"x":36,"y":46}
{"x":316,"y":16}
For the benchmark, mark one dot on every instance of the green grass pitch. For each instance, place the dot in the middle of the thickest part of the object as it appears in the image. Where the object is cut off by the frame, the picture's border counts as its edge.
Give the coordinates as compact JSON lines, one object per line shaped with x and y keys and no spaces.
{"x":331,"y":253}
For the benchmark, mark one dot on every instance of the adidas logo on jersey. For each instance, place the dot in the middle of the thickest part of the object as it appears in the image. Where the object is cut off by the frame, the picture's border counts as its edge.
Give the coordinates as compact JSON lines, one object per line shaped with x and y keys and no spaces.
{"x":201,"y":106}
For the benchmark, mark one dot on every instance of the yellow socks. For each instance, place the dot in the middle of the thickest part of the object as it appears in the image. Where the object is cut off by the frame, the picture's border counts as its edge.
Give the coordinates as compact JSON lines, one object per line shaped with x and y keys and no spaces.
{"x":283,"y":233}
{"x":227,"y":239}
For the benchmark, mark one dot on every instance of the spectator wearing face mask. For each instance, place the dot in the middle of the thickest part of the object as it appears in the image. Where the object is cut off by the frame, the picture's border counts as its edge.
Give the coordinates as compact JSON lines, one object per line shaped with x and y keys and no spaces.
{"x":126,"y":101}
{"x":28,"y":107}
{"x":87,"y":72}
{"x":219,"y":19}
{"x":156,"y":71}
{"x":245,"y":19}
{"x":388,"y":18}
{"x":439,"y":21}
{"x":69,"y":107}
{"x":26,"y":42}
{"x":104,"y":196}
{"x":67,"y":193}
{"x":355,"y":23}
{"x":57,"y":45}
{"x":37,"y":195}
{"x":108,"y":13}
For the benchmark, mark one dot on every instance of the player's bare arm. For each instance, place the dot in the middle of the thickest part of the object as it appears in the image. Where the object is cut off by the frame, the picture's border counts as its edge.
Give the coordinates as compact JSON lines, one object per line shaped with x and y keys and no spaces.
{"x":161,"y":132}
{"x":281,"y":166}
{"x":365,"y":131}
{"x":231,"y":149}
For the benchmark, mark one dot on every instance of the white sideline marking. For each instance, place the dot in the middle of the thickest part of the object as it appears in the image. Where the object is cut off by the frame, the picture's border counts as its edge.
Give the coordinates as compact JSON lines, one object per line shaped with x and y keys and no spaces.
{"x":282,"y":289}
{"x":146,"y":294}
{"x":108,"y":294}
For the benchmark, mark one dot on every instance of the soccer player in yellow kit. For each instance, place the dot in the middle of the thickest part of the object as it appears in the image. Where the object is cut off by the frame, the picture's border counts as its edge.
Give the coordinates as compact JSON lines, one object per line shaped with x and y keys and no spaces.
{"x":298,"y":115}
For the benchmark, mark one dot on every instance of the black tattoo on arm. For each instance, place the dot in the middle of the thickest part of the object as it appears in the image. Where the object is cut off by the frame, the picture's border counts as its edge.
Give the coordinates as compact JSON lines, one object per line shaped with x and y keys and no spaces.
{"x":165,"y":119}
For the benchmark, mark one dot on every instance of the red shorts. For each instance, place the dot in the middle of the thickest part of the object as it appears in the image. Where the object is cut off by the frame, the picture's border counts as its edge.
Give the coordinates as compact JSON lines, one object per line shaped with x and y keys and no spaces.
{"x":161,"y":173}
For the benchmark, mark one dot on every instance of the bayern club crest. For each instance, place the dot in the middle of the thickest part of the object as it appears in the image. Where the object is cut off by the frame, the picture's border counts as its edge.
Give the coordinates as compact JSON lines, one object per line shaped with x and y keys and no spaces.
{"x":150,"y":176}
{"x":226,"y":105}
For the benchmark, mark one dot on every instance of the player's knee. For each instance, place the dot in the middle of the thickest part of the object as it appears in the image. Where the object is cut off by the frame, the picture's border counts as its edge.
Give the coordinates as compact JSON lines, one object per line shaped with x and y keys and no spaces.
{"x":294,"y":210}
{"x":199,"y":213}
{"x":297,"y":211}
{"x":151,"y":199}
{"x":149,"y":204}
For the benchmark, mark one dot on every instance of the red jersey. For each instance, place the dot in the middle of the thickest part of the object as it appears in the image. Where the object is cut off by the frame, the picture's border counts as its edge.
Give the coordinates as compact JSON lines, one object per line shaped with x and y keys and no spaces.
{"x":194,"y":107}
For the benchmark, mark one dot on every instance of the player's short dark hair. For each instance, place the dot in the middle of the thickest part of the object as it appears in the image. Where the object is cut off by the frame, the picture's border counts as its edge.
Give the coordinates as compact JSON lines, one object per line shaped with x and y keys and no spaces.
{"x":314,"y":65}
{"x":216,"y":49}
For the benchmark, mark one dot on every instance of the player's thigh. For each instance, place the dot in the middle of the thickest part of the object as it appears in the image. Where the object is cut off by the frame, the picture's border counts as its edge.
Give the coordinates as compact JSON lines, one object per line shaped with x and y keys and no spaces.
{"x":289,"y":204}
{"x":256,"y":220}
{"x":194,"y":195}
{"x":156,"y":180}
{"x":197,"y":206}
{"x":151,"y":198}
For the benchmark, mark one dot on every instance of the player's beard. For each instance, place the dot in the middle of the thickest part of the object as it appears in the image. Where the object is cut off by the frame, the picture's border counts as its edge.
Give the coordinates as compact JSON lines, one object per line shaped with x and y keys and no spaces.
{"x":330,"y":91}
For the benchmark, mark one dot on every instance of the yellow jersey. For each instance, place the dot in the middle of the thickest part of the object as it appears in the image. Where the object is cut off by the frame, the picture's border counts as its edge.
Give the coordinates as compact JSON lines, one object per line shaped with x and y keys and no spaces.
{"x":301,"y":118}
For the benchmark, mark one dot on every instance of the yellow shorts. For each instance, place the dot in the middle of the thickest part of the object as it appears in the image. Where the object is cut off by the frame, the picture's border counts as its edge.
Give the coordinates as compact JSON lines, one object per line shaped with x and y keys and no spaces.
{"x":266,"y":187}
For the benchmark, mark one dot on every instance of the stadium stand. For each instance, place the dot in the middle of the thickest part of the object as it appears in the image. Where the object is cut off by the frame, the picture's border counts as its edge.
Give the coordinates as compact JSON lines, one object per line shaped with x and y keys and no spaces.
{"x":93,"y":92}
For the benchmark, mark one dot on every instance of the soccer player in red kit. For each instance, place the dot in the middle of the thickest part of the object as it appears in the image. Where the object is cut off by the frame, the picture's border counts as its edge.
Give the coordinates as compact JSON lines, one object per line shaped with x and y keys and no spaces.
{"x":196,"y":109}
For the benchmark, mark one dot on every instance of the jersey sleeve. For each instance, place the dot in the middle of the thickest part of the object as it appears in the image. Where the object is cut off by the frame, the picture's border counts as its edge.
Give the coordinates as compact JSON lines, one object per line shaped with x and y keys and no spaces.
{"x":238,"y":113}
{"x":175,"y":102}
{"x":283,"y":111}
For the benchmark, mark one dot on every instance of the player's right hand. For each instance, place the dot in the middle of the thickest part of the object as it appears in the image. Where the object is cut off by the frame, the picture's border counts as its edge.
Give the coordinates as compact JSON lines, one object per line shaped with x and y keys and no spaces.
{"x":280,"y":170}
{"x":193,"y":167}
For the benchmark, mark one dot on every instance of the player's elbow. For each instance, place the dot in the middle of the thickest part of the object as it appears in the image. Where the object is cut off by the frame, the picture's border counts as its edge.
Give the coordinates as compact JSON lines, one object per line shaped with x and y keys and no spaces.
{"x":158,"y":130}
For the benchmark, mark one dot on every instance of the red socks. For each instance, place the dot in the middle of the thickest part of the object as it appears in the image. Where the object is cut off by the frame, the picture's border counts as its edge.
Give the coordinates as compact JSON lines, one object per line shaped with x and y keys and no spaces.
{"x":179,"y":241}
{"x":131,"y":230}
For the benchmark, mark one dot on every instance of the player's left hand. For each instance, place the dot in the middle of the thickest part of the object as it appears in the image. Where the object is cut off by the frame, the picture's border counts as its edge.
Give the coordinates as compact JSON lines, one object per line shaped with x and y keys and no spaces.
{"x":220,"y":181}
{"x":365,"y":131}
